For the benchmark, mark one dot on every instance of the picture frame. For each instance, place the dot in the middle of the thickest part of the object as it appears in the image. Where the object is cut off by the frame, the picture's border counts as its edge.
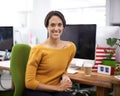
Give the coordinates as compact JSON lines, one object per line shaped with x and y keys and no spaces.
{"x":104,"y":69}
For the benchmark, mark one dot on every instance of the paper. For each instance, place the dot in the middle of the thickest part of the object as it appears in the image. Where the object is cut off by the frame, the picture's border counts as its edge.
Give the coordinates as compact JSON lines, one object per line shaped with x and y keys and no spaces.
{"x":118,"y":77}
{"x":70,"y":70}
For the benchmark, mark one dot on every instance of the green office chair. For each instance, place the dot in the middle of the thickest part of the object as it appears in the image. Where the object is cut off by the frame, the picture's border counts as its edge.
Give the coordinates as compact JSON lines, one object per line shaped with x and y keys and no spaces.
{"x":18,"y":61}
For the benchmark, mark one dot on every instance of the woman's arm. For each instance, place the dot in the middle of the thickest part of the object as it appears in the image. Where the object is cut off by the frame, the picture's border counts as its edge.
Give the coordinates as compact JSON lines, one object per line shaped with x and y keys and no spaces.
{"x":63,"y":86}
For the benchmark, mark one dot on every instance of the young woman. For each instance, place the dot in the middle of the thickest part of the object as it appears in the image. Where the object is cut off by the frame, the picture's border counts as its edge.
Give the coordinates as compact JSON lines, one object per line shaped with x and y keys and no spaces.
{"x":48,"y":62}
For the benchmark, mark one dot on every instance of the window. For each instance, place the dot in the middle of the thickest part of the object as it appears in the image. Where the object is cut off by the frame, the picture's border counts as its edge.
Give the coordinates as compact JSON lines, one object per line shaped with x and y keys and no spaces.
{"x":82,"y":11}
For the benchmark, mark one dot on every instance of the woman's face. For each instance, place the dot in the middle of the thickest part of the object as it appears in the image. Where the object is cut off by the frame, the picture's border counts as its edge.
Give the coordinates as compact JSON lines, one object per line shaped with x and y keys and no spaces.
{"x":55,"y":27}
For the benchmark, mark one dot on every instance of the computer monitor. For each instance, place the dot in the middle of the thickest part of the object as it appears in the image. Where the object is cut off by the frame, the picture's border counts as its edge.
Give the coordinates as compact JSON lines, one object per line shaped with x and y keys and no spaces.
{"x":84,"y":37}
{"x":6,"y":38}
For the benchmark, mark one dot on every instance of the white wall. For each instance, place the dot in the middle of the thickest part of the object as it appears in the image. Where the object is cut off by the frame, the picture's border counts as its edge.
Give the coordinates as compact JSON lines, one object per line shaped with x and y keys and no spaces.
{"x":113,"y":13}
{"x":13,"y":12}
{"x":36,"y":31}
{"x":36,"y":23}
{"x":107,"y":32}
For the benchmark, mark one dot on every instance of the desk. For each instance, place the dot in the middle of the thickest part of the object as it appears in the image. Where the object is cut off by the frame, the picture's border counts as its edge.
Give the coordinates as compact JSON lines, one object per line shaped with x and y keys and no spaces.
{"x":5,"y":65}
{"x":101,"y":81}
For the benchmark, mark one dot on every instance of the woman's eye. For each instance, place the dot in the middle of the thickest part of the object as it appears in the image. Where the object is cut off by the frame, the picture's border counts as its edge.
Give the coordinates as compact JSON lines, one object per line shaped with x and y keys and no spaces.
{"x":60,"y":24}
{"x":52,"y":24}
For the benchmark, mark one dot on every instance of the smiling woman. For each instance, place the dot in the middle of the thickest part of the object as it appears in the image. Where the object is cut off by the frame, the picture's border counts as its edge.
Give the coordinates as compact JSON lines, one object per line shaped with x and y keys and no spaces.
{"x":48,"y":62}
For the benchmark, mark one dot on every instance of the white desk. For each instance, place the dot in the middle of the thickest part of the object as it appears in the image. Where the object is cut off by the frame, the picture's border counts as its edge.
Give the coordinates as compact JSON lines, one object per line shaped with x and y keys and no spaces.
{"x":5,"y":65}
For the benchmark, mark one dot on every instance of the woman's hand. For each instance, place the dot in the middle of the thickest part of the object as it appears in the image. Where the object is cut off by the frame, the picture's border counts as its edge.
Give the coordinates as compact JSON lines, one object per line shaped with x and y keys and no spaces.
{"x":65,"y":84}
{"x":66,"y":78}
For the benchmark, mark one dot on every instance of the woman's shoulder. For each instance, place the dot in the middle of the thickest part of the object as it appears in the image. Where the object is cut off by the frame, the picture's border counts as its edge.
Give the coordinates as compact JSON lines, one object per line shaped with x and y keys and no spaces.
{"x":37,"y":46}
{"x":68,"y":44}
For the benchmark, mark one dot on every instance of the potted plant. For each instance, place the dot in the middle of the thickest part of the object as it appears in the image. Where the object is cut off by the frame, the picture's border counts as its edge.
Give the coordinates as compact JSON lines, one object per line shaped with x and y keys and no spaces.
{"x":117,"y":70}
{"x":113,"y":44}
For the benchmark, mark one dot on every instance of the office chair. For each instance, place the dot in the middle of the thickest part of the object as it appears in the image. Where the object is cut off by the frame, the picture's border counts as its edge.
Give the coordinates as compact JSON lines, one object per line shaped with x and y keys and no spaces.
{"x":18,"y":61}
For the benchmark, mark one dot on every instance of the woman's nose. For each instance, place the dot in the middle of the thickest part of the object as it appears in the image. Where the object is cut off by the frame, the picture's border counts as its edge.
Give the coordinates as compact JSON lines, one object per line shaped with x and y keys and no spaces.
{"x":56,"y":27}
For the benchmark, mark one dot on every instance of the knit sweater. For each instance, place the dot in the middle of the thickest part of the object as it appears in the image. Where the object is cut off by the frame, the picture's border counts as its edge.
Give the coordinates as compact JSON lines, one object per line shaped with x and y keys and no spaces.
{"x":47,"y":65}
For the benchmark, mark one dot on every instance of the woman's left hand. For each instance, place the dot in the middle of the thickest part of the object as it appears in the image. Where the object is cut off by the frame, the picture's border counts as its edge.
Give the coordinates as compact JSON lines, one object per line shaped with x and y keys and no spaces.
{"x":66,"y":78}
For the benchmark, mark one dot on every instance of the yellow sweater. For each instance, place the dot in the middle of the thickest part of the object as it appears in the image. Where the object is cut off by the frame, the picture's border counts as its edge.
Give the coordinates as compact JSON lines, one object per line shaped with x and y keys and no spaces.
{"x":46,"y":65}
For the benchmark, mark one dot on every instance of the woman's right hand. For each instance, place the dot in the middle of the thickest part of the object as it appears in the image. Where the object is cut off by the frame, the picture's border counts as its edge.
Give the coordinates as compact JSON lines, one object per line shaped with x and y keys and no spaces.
{"x":65,"y":86}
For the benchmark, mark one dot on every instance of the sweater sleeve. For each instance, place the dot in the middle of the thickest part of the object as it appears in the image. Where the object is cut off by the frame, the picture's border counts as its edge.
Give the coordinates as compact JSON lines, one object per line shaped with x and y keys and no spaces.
{"x":32,"y":65}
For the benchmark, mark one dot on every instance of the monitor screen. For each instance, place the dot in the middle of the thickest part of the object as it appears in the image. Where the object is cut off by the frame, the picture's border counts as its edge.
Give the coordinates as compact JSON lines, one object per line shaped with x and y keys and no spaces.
{"x":6,"y":38}
{"x":84,"y":37}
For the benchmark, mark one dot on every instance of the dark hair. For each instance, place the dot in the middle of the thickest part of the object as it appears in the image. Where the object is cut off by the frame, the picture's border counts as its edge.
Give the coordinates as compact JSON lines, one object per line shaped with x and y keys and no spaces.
{"x":54,"y":13}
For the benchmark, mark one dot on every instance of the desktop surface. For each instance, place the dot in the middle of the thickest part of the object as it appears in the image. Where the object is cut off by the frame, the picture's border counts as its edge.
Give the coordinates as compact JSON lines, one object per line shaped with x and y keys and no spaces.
{"x":101,"y":81}
{"x":5,"y":65}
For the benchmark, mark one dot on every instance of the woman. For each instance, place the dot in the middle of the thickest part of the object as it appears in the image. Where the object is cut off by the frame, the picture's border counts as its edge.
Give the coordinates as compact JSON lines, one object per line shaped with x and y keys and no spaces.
{"x":48,"y":62}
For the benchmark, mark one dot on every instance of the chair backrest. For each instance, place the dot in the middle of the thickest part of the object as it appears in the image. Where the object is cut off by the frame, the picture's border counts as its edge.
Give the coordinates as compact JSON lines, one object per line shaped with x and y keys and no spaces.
{"x":18,"y":62}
